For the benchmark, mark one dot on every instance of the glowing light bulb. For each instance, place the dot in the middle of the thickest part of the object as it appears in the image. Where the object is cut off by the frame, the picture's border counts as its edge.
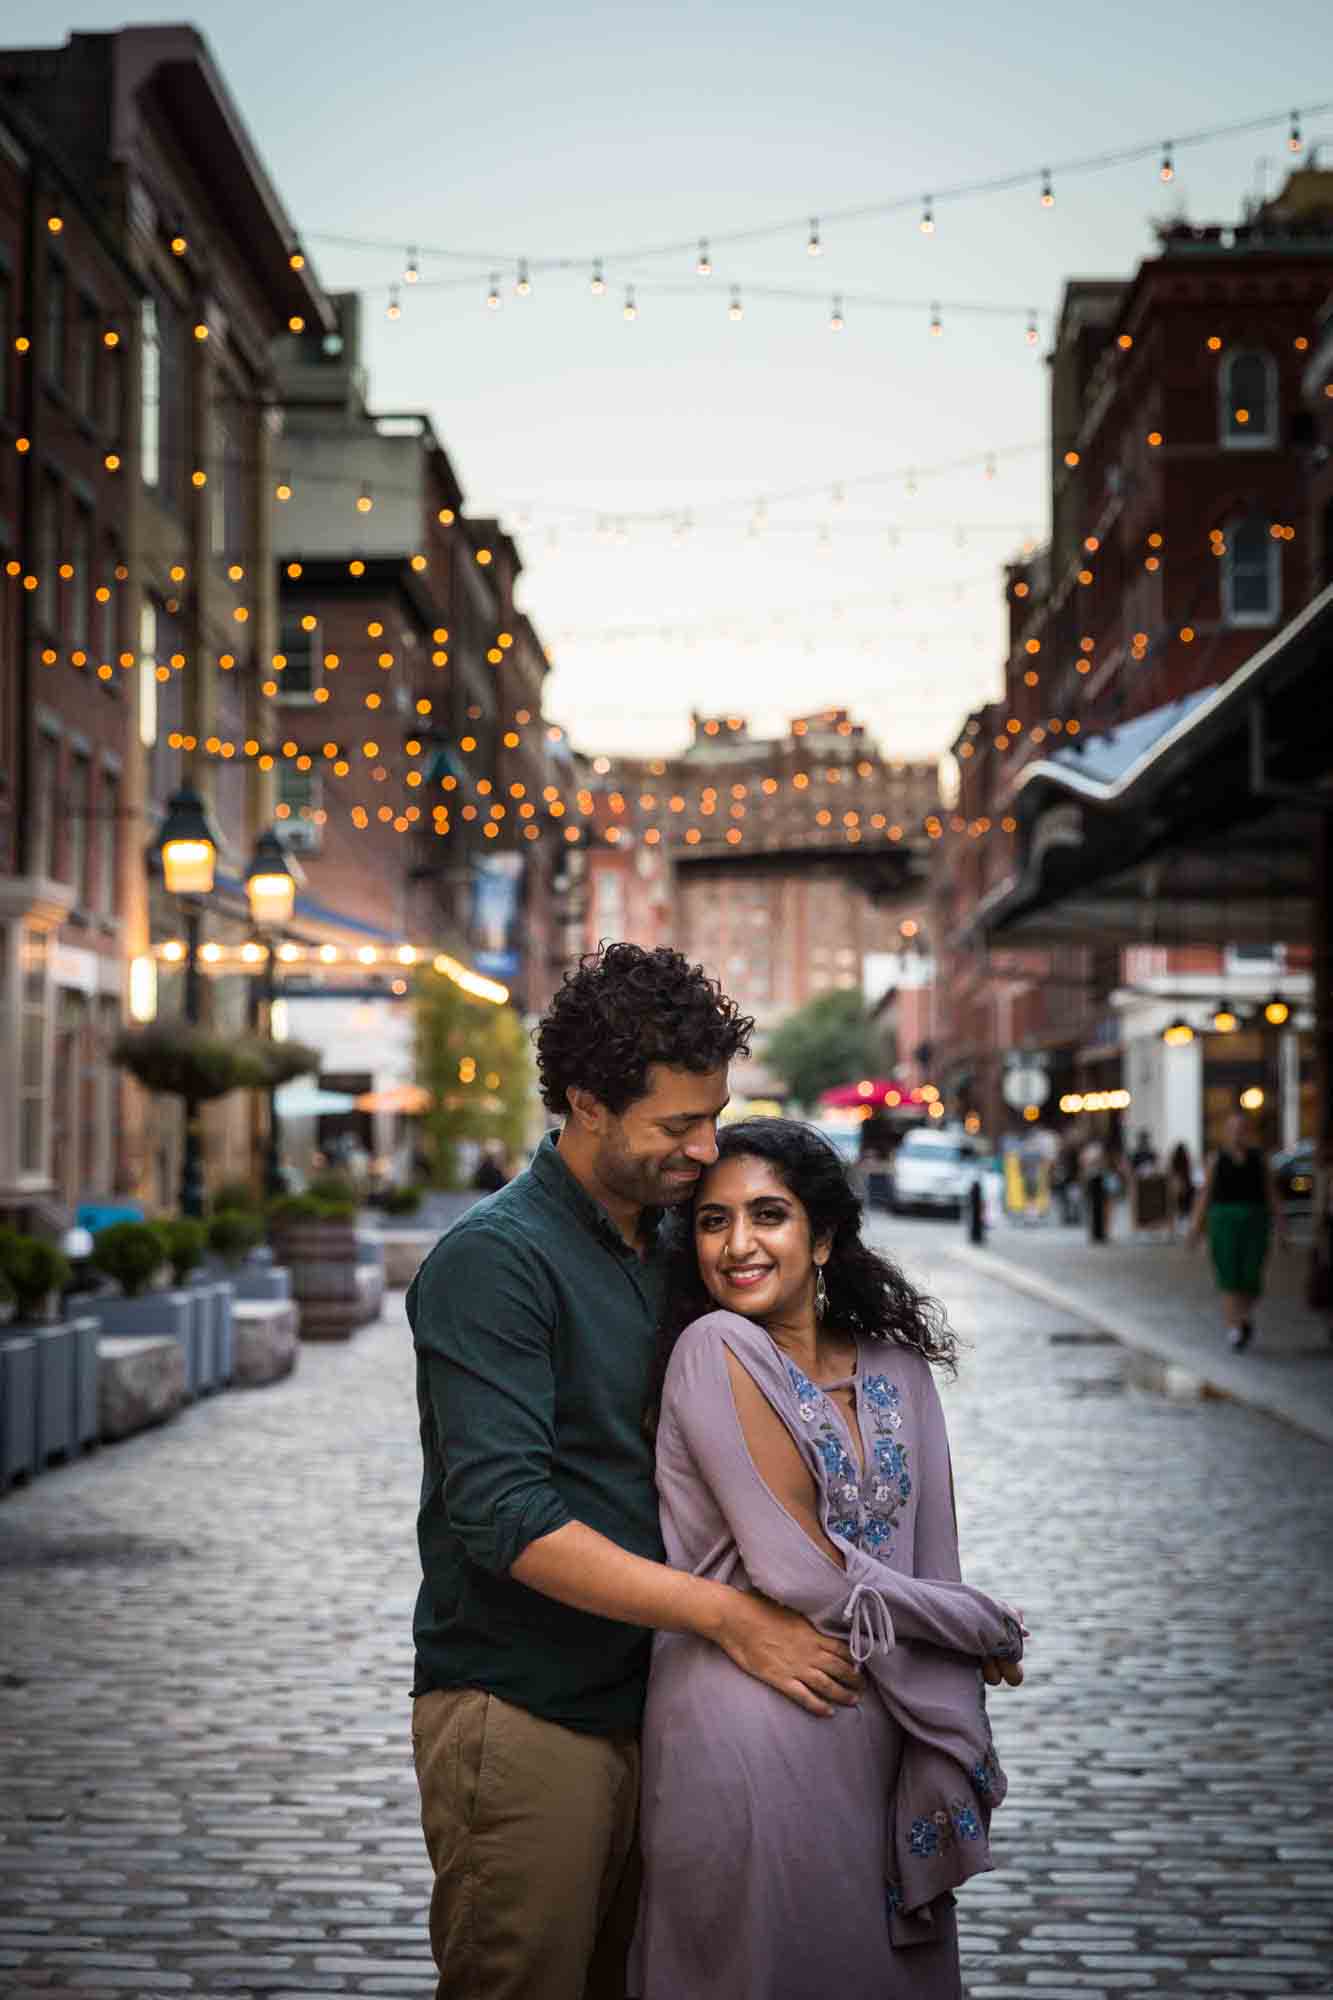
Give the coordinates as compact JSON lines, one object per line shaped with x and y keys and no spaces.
{"x":411,"y":270}
{"x":1295,"y":143}
{"x":837,"y":321}
{"x":631,"y":310}
{"x":1167,"y":170}
{"x":1047,"y":191}
{"x":393,"y":310}
{"x":936,"y":323}
{"x":704,"y":263}
{"x":814,"y":247}
{"x":598,"y":283}
{"x":364,"y":500}
{"x":736,"y":310}
{"x":493,"y":295}
{"x":928,"y":218}
{"x":523,"y":283}
{"x":1032,"y":336}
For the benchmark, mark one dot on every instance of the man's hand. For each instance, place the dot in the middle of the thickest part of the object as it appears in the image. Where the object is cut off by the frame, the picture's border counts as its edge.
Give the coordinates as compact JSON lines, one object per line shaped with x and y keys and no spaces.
{"x":784,"y":1649}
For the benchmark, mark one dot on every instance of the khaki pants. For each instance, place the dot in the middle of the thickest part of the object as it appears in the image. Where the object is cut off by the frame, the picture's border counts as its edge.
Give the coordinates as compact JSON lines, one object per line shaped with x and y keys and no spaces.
{"x":532,"y":1833}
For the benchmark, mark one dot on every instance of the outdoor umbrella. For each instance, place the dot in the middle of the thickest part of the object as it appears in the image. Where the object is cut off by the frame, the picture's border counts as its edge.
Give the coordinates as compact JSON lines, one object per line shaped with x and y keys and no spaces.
{"x":307,"y":1100}
{"x":873,"y":1092}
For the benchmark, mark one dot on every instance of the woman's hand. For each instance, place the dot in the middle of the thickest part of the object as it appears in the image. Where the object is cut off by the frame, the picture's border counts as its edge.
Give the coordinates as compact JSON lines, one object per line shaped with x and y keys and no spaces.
{"x":1010,"y":1672}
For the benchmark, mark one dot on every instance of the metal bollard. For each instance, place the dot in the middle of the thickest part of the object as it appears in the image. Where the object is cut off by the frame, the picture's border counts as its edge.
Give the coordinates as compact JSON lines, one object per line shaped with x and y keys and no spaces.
{"x":976,"y":1214}
{"x":1097,"y":1208}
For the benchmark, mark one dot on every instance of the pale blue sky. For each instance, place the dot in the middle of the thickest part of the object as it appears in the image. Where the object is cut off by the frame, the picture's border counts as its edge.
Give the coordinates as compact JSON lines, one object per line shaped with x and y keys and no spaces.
{"x":590,"y":128}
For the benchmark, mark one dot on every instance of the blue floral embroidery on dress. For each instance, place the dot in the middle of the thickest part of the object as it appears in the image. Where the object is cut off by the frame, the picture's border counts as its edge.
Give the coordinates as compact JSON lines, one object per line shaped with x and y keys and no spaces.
{"x":925,"y":1837}
{"x":966,"y":1824}
{"x":863,"y":1511}
{"x":893,"y":1896}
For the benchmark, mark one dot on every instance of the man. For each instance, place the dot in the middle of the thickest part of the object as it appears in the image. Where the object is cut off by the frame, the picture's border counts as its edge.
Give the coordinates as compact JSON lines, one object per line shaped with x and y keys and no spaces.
{"x":534,"y":1322}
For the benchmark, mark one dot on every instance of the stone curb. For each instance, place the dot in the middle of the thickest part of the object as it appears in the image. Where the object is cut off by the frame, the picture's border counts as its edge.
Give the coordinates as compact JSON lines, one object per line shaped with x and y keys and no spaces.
{"x":1227,"y":1376}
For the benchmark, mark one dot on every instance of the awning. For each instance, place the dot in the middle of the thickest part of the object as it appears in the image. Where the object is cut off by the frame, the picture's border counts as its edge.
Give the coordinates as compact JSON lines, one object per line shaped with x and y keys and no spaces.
{"x":1190,"y":823}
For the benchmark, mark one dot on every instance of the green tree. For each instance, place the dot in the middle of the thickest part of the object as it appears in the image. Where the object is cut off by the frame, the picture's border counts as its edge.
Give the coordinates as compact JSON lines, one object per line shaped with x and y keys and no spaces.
{"x":828,"y":1042}
{"x":475,"y":1061}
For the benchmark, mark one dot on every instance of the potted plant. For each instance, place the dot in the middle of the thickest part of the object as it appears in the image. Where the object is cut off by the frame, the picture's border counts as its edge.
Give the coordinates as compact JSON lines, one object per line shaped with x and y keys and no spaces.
{"x":185,"y":1242}
{"x":233,"y":1233}
{"x":315,"y":1237}
{"x":401,"y":1201}
{"x":48,"y":1363}
{"x":133,"y":1255}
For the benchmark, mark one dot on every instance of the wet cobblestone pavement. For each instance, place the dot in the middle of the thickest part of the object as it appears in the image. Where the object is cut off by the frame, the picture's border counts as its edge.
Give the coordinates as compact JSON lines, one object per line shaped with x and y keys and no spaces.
{"x":205,"y":1774}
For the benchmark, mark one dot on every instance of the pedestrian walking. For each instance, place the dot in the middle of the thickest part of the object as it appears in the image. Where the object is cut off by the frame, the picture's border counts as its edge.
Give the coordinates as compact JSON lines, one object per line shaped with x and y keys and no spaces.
{"x":535,"y":1325}
{"x":1180,"y":1184}
{"x":1238,"y":1207}
{"x":802,"y":1452}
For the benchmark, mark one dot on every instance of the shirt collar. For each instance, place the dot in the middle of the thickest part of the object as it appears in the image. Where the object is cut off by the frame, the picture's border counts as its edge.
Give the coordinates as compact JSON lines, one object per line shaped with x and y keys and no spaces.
{"x":550,"y":1170}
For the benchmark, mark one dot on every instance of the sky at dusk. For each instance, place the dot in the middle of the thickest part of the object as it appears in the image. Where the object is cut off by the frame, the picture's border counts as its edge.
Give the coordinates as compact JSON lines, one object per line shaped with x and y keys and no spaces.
{"x":758,"y":515}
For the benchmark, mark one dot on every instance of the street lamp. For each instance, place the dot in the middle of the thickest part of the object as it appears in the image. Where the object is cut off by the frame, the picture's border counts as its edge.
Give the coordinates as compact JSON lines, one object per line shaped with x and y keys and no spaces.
{"x":186,"y":848}
{"x":270,"y":889}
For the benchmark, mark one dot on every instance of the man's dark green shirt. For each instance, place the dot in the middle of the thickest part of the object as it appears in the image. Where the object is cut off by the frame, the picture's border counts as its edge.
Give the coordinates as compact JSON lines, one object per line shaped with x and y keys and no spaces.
{"x":534,"y":1324}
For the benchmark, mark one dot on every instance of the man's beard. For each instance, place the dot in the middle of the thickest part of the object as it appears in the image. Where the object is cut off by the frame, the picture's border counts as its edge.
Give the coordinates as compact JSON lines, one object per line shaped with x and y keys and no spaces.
{"x":642,"y":1181}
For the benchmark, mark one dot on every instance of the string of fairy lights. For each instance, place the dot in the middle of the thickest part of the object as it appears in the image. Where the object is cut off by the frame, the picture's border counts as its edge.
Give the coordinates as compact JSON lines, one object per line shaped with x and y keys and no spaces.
{"x":809,"y":234}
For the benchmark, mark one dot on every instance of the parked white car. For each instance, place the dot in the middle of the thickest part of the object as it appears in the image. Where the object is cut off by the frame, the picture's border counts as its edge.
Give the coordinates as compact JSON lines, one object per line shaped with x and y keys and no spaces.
{"x":933,"y":1168}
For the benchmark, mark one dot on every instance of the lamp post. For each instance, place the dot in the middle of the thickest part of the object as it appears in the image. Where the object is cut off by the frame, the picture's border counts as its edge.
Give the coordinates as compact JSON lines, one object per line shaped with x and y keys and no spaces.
{"x":186,"y":848}
{"x":270,"y":889}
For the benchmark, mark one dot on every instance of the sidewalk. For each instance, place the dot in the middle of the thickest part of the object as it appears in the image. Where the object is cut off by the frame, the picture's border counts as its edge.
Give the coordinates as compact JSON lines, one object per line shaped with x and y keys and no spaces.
{"x":1157,"y":1298}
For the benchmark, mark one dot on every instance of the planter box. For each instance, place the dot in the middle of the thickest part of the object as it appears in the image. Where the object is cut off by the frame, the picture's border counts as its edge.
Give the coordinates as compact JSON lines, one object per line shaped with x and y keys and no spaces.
{"x":255,"y":1277}
{"x":211,"y":1303}
{"x":322,"y":1260}
{"x":370,"y":1274}
{"x":18,"y":1407}
{"x":155,"y":1314}
{"x":52,"y":1408}
{"x":87,"y":1430}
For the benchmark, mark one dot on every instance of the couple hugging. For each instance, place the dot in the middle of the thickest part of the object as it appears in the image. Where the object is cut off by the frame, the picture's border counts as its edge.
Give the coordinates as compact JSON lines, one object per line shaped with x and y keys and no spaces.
{"x":666,"y":1389}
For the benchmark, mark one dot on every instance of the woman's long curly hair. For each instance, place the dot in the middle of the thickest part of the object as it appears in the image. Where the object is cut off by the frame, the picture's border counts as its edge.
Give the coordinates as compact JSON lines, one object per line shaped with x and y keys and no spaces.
{"x":867,"y":1292}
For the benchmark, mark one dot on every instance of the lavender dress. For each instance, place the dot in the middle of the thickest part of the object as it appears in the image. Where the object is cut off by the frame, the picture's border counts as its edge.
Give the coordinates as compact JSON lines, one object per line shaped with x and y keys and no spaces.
{"x":789,"y":1856}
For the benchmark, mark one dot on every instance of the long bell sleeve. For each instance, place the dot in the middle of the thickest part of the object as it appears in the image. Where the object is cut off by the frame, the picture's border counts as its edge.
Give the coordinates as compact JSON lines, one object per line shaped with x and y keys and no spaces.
{"x":920,"y":1638}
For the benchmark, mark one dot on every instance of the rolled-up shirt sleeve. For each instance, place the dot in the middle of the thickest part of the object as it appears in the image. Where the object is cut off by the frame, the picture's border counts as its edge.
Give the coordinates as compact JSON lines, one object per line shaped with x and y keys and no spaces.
{"x":484,"y":1326}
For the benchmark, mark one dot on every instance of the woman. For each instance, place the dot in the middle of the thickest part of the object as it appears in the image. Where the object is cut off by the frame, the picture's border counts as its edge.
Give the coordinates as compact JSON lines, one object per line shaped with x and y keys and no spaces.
{"x":1239,"y":1207}
{"x":801,"y":1451}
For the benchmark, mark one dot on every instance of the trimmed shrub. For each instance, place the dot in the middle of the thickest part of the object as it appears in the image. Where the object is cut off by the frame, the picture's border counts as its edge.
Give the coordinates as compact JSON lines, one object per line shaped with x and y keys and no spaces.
{"x":401,"y":1200}
{"x":237,"y":1198}
{"x":234,"y":1231}
{"x":306,"y":1208}
{"x":132,"y":1253}
{"x":184,"y":1242}
{"x":32,"y":1270}
{"x":333,"y":1186}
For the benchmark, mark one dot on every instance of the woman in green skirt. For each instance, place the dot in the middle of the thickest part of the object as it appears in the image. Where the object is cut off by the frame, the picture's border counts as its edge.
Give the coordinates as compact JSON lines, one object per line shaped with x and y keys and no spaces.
{"x":1238,"y":1205}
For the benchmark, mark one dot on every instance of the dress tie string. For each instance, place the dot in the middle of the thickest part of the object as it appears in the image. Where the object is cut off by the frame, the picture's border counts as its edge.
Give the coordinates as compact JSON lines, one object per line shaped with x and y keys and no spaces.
{"x":871,"y":1626}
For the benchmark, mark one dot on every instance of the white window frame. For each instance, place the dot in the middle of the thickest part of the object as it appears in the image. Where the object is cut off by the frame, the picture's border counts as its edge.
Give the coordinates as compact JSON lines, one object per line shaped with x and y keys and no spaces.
{"x":302,"y":835}
{"x":1253,"y":437}
{"x":315,"y":640}
{"x":1239,"y":620}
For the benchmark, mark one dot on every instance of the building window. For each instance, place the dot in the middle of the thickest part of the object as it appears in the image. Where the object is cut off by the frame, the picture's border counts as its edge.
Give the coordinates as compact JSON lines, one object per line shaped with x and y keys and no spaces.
{"x":81,"y":583}
{"x":108,"y":846}
{"x":1251,"y":574}
{"x":57,"y":316}
{"x":48,"y":545}
{"x":150,"y":384}
{"x":33,"y":1038}
{"x":1248,"y":413}
{"x":45,"y":825}
{"x":78,"y":805}
{"x":304,"y":653}
{"x":300,"y":809}
{"x":86,"y":352}
{"x":108,"y":644}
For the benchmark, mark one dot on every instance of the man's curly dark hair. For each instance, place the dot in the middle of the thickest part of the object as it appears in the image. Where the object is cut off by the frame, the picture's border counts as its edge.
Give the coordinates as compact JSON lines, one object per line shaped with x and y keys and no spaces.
{"x":624,"y":1009}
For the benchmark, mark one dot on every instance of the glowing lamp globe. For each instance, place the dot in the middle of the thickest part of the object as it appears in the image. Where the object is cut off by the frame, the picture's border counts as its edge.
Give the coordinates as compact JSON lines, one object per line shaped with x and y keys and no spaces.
{"x":270,"y":886}
{"x":1277,"y":1012}
{"x":187,"y":845}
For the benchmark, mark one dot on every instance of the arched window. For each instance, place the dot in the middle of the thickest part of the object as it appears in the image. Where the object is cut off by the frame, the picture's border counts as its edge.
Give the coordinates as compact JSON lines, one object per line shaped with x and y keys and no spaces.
{"x":1248,"y":405}
{"x":1251,"y":574}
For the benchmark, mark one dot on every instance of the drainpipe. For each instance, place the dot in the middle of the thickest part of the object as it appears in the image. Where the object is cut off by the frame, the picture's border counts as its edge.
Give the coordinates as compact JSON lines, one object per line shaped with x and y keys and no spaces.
{"x":25,"y":816}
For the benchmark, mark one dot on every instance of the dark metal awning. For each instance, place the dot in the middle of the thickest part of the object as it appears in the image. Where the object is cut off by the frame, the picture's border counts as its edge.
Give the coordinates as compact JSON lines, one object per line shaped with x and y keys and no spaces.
{"x":1189,"y":823}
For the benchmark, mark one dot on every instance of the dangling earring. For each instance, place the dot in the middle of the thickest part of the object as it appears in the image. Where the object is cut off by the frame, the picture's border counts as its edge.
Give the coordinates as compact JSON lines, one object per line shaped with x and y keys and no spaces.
{"x":821,"y":1292}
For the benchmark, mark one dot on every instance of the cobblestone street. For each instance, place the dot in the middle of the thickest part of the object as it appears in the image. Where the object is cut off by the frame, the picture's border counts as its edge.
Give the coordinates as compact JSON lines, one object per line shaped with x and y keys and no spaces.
{"x":205,"y":1775}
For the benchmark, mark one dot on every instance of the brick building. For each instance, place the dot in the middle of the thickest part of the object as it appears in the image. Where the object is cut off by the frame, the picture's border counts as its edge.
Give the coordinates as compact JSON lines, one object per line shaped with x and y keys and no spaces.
{"x":150,"y":313}
{"x":785,"y":865}
{"x":1184,"y":536}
